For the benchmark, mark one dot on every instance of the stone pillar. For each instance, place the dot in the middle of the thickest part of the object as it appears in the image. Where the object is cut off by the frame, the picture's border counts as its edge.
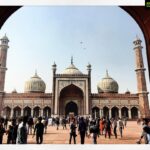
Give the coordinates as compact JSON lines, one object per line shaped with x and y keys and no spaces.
{"x":139,"y":115}
{"x":120,"y":113}
{"x":21,"y":112}
{"x":32,"y":112}
{"x":40,"y":112}
{"x":11,"y":113}
{"x":109,"y":112}
{"x":129,"y":111}
{"x":95,"y":114}
{"x":100,"y":113}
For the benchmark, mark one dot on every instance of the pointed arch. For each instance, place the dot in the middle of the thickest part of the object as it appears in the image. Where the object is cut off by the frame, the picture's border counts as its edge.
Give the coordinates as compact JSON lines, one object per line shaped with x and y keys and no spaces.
{"x":47,"y":112}
{"x":95,"y":112}
{"x":17,"y":112}
{"x":27,"y":111}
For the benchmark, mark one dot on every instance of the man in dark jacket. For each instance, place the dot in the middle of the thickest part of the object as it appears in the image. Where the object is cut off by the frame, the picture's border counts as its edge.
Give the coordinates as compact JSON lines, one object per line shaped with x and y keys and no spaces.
{"x":39,"y":129}
{"x":2,"y":131}
{"x":22,"y":131}
{"x":108,"y":128}
{"x":72,"y":132}
{"x":82,"y":129}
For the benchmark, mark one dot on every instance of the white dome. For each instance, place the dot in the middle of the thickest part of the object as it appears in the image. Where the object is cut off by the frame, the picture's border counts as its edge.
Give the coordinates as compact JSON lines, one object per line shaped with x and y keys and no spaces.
{"x":72,"y":69}
{"x":107,"y":85}
{"x":35,"y":84}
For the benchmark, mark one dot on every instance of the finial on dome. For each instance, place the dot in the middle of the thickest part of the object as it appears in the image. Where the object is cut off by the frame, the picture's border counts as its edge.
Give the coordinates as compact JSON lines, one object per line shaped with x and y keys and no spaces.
{"x":71,"y":59}
{"x":107,"y":73}
{"x":127,"y":91}
{"x":35,"y":72}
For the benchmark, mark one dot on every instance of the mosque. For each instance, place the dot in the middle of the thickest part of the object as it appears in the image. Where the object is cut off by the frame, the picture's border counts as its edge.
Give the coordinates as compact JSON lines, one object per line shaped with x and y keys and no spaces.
{"x":71,"y":93}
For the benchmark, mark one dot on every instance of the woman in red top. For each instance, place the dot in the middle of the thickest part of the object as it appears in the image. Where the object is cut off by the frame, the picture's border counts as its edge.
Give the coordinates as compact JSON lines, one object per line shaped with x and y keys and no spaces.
{"x":101,"y":126}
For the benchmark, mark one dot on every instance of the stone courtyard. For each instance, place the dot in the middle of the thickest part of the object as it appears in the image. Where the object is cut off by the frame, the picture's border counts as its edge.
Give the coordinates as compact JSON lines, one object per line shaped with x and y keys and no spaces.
{"x":131,"y":134}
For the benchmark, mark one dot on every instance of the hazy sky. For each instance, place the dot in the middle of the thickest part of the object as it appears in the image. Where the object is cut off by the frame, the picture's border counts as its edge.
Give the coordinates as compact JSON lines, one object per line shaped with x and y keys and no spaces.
{"x":41,"y":35}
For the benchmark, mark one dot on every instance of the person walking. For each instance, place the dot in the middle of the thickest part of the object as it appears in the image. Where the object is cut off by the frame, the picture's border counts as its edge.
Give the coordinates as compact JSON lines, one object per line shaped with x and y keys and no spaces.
{"x":145,"y":133}
{"x":94,"y":131}
{"x":72,"y":132}
{"x":22,"y":131}
{"x":15,"y":128}
{"x":101,"y":126}
{"x":64,"y":121}
{"x":82,"y":129}
{"x":6,"y":123}
{"x":108,"y":128}
{"x":9,"y":134}
{"x":57,"y":122}
{"x":2,"y":131}
{"x":39,"y":130}
{"x":121,"y":127}
{"x":115,"y":127}
{"x":30,"y":125}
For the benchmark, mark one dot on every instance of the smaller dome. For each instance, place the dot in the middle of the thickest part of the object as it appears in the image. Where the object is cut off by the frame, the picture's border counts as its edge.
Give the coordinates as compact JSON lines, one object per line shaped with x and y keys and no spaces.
{"x":35,"y":84}
{"x":14,"y":91}
{"x":107,"y":85}
{"x":127,"y":92}
{"x":72,"y":69}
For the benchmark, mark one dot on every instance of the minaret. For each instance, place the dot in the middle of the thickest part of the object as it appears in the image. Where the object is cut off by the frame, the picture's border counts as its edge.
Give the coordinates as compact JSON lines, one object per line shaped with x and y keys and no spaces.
{"x":3,"y":57}
{"x":89,"y":78}
{"x":89,"y":85}
{"x":54,"y":67}
{"x":141,"y":82}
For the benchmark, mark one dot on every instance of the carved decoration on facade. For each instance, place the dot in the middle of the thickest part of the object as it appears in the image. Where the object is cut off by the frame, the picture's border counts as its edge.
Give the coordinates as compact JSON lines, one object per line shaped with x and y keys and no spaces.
{"x":17,"y":105}
{"x":115,"y":102}
{"x":46,"y":106}
{"x":124,"y":102}
{"x":63,"y":84}
{"x":133,"y":102}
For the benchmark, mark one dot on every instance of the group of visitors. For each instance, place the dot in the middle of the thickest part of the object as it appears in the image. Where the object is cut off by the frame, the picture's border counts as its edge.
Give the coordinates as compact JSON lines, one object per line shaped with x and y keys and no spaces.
{"x":145,"y":132}
{"x":17,"y":129}
{"x":95,"y":127}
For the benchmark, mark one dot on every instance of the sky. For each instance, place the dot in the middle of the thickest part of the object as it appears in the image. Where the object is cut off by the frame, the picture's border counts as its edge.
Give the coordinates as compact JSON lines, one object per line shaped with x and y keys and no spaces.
{"x":42,"y":35}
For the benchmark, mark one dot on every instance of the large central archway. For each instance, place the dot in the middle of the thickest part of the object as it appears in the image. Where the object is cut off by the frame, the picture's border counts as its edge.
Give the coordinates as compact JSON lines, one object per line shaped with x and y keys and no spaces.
{"x":71,"y":100}
{"x":71,"y":107}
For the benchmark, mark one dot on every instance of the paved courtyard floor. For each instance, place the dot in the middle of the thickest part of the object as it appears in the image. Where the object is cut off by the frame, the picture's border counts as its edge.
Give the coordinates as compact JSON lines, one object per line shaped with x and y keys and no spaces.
{"x":131,"y":134}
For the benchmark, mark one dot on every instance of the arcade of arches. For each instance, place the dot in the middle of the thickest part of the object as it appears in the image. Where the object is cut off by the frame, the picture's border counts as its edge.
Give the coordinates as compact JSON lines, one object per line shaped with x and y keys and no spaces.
{"x":115,"y":112}
{"x":27,"y":111}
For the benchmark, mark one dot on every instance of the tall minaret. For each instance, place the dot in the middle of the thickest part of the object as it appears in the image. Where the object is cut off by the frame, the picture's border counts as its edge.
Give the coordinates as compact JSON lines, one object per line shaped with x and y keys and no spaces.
{"x":89,"y":86}
{"x":141,"y":82}
{"x":54,"y":68}
{"x":3,"y":57}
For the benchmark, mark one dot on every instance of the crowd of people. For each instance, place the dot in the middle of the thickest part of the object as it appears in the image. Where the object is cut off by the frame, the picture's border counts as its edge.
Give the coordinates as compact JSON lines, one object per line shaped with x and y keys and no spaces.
{"x":93,"y":128}
{"x":18,"y":129}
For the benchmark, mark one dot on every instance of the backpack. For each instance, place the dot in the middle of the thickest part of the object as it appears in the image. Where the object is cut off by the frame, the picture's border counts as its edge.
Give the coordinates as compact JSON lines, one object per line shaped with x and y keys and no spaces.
{"x":72,"y":128}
